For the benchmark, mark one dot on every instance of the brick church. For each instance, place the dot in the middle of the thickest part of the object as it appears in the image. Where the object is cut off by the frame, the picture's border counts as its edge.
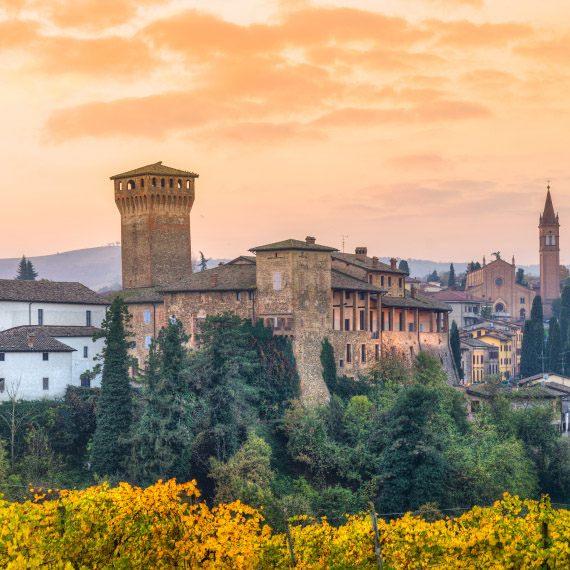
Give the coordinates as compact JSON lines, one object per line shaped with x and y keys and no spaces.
{"x":300,"y":288}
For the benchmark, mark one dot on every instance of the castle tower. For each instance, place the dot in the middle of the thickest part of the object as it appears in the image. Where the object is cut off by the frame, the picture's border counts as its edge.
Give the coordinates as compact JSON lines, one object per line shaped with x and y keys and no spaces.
{"x":549,"y":236}
{"x":155,"y":203}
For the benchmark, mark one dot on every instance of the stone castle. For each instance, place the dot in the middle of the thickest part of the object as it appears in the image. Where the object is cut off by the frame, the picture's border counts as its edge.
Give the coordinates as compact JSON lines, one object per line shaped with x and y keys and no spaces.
{"x":299,"y":288}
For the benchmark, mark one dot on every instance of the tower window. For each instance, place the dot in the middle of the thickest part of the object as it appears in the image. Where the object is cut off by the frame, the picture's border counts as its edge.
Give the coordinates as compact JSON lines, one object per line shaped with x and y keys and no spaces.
{"x":277,"y":280}
{"x":142,"y":182}
{"x":120,"y":185}
{"x":171,"y":183}
{"x":146,"y":316}
{"x":179,"y":184}
{"x":349,"y":353}
{"x":162,"y":183}
{"x":154,"y":182}
{"x":363,"y":353}
{"x":187,"y":184}
{"x":131,"y":185}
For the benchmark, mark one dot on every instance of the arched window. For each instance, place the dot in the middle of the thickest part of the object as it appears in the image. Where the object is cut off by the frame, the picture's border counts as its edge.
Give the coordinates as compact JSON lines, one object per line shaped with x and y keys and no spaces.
{"x":171,"y":183}
{"x":187,"y":184}
{"x":142,"y":182}
{"x":523,"y":313}
{"x":162,"y":183}
{"x":179,"y":183}
{"x":154,"y":182}
{"x":499,"y":308}
{"x":131,"y":185}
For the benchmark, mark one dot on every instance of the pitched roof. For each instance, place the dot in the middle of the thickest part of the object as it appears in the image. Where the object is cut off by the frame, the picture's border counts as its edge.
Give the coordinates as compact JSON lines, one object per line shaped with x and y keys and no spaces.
{"x":366,"y":262}
{"x":416,"y":302}
{"x":157,"y":168}
{"x":292,"y":244}
{"x":548,"y":214}
{"x":250,"y":259}
{"x":476,"y":343}
{"x":237,"y":277}
{"x":44,"y":291}
{"x":18,"y":340}
{"x":141,"y":295}
{"x":452,"y":296}
{"x":60,"y":330}
{"x":341,"y":280}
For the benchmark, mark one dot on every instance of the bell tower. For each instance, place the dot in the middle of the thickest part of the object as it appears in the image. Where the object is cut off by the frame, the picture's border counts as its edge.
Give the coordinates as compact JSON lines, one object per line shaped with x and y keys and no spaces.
{"x":155,"y":203}
{"x":549,"y":236}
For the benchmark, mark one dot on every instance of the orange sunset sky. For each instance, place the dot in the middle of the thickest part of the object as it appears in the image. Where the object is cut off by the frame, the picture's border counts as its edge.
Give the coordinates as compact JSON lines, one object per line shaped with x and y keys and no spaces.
{"x":420,"y":128}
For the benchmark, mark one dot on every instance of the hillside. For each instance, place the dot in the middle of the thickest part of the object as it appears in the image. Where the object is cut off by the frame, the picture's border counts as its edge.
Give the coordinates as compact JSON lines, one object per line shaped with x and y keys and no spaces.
{"x":100,"y":267}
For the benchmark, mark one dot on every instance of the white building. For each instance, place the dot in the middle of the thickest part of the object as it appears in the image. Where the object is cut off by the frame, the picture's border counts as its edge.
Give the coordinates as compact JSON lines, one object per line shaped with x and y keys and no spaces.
{"x":49,"y":303}
{"x":466,"y":308}
{"x":46,"y":341}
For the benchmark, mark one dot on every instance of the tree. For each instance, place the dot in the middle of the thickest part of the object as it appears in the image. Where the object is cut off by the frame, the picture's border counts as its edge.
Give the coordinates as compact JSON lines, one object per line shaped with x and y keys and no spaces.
{"x":530,"y":363}
{"x":403,"y":266}
{"x":455,"y":344}
{"x":537,"y":318}
{"x":203,"y":263}
{"x":554,"y":347}
{"x":110,"y":447}
{"x":328,"y":363}
{"x":433,"y":277}
{"x":162,"y":436}
{"x":564,"y":314}
{"x":451,"y":278}
{"x":520,"y":276}
{"x":26,"y":270}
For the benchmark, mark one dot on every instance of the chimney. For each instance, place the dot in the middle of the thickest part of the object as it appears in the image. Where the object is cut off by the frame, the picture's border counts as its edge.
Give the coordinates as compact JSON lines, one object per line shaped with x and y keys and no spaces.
{"x":413,"y":291}
{"x":393,"y":262}
{"x":375,"y":261}
{"x":31,"y":339}
{"x":214,"y":280}
{"x":310,"y":240}
{"x":361,"y":253}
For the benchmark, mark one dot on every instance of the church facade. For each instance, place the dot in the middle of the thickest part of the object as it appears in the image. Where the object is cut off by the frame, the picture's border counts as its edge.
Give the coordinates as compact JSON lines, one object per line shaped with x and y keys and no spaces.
{"x":301,"y":289}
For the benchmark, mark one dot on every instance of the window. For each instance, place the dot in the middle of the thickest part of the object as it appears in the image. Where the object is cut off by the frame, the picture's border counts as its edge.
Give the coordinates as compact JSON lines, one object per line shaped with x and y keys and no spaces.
{"x":250,"y":295}
{"x":363,"y":353}
{"x":499,"y":308}
{"x":341,"y":363}
{"x":346,"y":324}
{"x":382,"y":280}
{"x":401,"y":323}
{"x":45,"y":356}
{"x":146,"y":316}
{"x":131,"y":185}
{"x":277,"y":281}
{"x":238,"y":295}
{"x":2,"y":385}
{"x":86,"y":382}
{"x":142,"y":182}
{"x":45,"y":383}
{"x":40,"y":317}
{"x":348,"y":353}
{"x":400,"y":282}
{"x":347,"y":295}
{"x":153,"y":182}
{"x":85,"y":352}
{"x":370,"y":279}
{"x":389,"y":282}
{"x":187,"y":184}
{"x":499,"y":281}
{"x":179,"y":184}
{"x":362,"y":320}
{"x":377,"y":352}
{"x":2,"y":356}
{"x":88,"y":318}
{"x":147,"y":341}
{"x":522,"y":300}
{"x":361,"y":296}
{"x":171,"y":183}
{"x":162,"y":183}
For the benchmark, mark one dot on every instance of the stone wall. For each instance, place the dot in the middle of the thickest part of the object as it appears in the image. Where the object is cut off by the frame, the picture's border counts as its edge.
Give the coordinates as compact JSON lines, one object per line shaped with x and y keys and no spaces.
{"x":147,"y":320}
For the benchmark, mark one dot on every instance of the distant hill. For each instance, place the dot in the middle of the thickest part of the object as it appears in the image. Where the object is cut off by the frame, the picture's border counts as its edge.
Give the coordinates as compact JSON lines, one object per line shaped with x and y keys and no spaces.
{"x":100,"y":267}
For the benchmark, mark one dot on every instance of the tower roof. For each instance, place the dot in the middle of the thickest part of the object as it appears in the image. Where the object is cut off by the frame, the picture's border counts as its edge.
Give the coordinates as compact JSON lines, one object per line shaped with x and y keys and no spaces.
{"x":157,"y":168}
{"x":293,"y":244}
{"x":548,"y":215}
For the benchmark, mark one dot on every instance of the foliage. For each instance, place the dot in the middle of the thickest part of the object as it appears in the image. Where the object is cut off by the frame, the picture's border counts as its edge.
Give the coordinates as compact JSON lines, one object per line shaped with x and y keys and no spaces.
{"x":433,"y":277}
{"x":554,"y":347}
{"x":26,"y":270}
{"x":328,"y":363}
{"x":404,"y":266}
{"x":455,"y":343}
{"x":532,"y":350}
{"x":110,"y":447}
{"x":166,"y":526}
{"x":203,"y":263}
{"x":451,"y":278}
{"x":564,"y":314}
{"x":162,"y":436}
{"x":520,"y":277}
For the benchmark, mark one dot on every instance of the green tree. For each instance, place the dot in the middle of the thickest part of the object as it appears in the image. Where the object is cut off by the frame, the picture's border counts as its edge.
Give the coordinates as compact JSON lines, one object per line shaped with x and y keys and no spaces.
{"x":433,"y":277}
{"x":564,"y":314}
{"x":162,"y":437}
{"x":203,"y":263}
{"x":530,"y":358}
{"x":520,"y":279}
{"x":328,"y":363}
{"x":110,"y":447}
{"x":403,"y":266}
{"x":451,"y":278}
{"x":26,"y":270}
{"x":554,"y":347}
{"x":455,"y":343}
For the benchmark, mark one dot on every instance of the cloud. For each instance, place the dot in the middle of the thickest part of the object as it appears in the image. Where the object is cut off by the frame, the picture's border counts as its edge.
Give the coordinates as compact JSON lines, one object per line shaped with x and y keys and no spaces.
{"x":17,"y":33}
{"x":426,"y":161}
{"x":463,"y":33}
{"x":548,"y":51}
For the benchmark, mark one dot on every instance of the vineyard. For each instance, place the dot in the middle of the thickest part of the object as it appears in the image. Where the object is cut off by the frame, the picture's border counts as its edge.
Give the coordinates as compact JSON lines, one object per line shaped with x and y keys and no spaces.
{"x":167,"y":526}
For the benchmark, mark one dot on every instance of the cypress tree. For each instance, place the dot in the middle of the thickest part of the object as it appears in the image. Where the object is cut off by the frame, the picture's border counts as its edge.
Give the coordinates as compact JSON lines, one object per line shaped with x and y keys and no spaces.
{"x":110,"y":446}
{"x":554,"y":347}
{"x":328,"y":363}
{"x":455,"y":343}
{"x":451,"y":279}
{"x":31,"y":271}
{"x":162,"y":437}
{"x":26,"y":270}
{"x":529,"y":358}
{"x":537,"y":318}
{"x":564,"y":314}
{"x":403,"y":266}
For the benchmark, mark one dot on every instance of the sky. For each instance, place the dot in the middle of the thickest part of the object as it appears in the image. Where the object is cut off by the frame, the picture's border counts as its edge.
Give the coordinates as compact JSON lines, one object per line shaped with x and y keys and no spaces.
{"x":418,"y":128}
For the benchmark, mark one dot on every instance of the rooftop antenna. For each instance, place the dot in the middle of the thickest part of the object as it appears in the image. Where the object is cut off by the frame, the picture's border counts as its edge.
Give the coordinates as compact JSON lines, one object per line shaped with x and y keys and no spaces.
{"x":343,"y":237}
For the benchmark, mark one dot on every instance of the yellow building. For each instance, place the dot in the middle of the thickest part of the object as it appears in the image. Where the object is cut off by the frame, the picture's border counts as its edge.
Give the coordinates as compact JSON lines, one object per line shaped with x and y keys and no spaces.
{"x":505,"y":344}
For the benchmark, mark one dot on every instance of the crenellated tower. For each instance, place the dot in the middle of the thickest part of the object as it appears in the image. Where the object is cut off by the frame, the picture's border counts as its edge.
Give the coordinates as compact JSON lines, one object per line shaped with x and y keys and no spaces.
{"x":155,"y":203}
{"x":549,"y":236}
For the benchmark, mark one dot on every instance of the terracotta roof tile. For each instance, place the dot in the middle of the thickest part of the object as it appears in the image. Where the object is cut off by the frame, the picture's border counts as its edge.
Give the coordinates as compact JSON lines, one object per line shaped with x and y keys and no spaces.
{"x":238,"y":277}
{"x":292,"y":244}
{"x":341,"y":280}
{"x":366,"y":263}
{"x":18,"y":340}
{"x":44,"y":291}
{"x":157,"y":168}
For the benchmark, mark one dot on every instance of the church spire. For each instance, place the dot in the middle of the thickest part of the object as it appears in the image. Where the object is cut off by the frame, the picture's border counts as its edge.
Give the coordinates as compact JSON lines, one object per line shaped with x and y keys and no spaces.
{"x":548,"y":216}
